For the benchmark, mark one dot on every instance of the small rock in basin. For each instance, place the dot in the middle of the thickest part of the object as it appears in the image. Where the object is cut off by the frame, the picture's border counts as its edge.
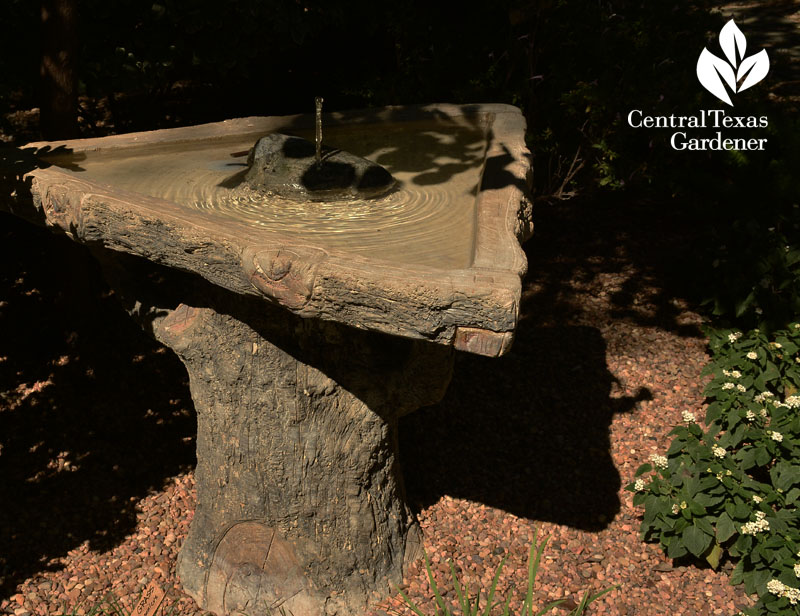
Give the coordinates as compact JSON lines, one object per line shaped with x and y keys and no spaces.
{"x":287,"y":166}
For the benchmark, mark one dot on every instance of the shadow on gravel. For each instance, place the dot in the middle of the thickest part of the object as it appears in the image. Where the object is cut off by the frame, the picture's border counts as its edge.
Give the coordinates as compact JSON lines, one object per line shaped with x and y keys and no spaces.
{"x":528,"y":433}
{"x":93,"y":415}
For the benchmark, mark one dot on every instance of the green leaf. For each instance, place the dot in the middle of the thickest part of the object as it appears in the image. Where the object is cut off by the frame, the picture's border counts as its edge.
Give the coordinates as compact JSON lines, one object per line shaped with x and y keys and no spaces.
{"x":757,"y":580}
{"x":777,"y":524}
{"x":788,"y":347}
{"x":742,"y":306}
{"x":696,"y":508}
{"x":707,"y":484}
{"x":708,"y":500}
{"x":725,"y":528}
{"x":713,"y":412}
{"x":784,"y":475}
{"x":675,"y":447}
{"x":741,"y":511}
{"x":695,"y":540}
{"x":769,"y":374}
{"x":704,"y":525}
{"x":762,"y":456}
{"x":676,"y":549}
{"x":743,"y":544}
{"x":644,"y":468}
{"x":714,"y":555}
{"x":738,"y":574}
{"x":695,"y":431}
{"x":661,"y":505}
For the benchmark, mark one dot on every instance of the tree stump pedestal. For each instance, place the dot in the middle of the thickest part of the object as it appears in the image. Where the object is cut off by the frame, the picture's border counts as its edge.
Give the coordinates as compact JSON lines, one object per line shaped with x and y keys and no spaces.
{"x":300,"y":496}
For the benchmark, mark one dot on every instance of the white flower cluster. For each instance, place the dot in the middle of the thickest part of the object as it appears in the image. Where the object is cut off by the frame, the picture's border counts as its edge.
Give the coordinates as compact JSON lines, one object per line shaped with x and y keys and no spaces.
{"x":728,"y":385}
{"x":777,"y":345}
{"x":775,"y":436}
{"x":639,"y":485}
{"x":776,"y":587}
{"x":732,"y":373}
{"x":676,"y":509}
{"x":750,"y":416}
{"x":741,"y":388}
{"x":760,"y":524}
{"x":757,"y":499}
{"x":734,"y":336}
{"x":797,"y":570}
{"x":718,"y":451}
{"x":659,"y":461}
{"x":752,"y":355}
{"x":763,"y":396}
{"x":688,"y":417}
{"x":763,"y":413}
{"x":793,"y":401}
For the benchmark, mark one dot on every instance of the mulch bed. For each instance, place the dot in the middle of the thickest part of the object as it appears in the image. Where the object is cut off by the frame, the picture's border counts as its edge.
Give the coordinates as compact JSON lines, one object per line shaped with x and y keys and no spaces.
{"x":97,"y":430}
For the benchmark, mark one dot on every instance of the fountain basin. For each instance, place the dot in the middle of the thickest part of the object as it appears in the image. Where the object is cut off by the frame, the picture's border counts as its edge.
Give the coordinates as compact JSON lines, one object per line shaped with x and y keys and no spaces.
{"x":438,"y":268}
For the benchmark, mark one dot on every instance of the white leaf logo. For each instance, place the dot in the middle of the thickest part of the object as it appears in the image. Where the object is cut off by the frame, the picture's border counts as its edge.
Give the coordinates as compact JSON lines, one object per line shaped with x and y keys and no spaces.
{"x":731,"y":39}
{"x":738,"y":73}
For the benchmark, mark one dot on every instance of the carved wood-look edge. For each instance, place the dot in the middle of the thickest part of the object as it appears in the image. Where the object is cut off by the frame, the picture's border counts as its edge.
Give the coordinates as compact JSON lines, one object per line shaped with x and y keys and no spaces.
{"x":474,"y":309}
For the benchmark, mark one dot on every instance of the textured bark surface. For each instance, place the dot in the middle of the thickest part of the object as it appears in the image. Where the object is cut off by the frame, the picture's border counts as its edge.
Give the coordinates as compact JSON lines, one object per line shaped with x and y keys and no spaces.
{"x":300,"y":496}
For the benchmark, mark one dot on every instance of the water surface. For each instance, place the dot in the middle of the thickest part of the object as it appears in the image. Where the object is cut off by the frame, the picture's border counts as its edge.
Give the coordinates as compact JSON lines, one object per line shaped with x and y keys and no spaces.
{"x":428,"y":220}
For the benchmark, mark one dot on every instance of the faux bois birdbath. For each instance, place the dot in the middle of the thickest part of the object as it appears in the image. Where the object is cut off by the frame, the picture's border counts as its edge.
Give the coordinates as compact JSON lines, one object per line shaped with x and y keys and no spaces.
{"x":308,"y":325}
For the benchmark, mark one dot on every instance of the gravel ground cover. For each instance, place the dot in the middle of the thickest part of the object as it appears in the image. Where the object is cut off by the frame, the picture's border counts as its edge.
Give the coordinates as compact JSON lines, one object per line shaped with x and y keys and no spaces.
{"x":97,"y":430}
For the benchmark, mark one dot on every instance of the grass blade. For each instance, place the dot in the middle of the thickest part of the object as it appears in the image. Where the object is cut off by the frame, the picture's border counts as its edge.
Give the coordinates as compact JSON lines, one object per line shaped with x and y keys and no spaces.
{"x":549,"y":607}
{"x":527,"y":606}
{"x":410,"y":603}
{"x":588,"y":600}
{"x":494,"y":586}
{"x":434,"y":587}
{"x":462,"y":600}
{"x":505,"y":607}
{"x":581,"y":606}
{"x":533,"y":568}
{"x":116,"y":608}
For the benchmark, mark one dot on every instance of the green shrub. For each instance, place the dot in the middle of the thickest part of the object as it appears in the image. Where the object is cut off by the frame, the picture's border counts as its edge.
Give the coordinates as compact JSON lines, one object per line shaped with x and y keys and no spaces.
{"x":732,"y":489}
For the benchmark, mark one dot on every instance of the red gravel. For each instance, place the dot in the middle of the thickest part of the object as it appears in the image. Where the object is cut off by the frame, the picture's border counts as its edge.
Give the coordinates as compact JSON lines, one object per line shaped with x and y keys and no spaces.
{"x":96,"y":430}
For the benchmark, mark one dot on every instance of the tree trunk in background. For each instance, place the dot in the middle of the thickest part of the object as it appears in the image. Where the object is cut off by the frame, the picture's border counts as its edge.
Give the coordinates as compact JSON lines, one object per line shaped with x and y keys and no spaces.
{"x":59,"y":92}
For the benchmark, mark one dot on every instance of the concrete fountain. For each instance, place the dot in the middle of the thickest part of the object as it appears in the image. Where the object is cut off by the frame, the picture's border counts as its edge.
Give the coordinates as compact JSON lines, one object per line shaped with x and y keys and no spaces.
{"x":311,"y":313}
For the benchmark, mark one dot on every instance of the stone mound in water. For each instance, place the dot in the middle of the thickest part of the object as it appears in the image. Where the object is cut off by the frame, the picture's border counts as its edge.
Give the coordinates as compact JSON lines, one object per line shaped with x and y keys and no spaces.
{"x":287,"y":166}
